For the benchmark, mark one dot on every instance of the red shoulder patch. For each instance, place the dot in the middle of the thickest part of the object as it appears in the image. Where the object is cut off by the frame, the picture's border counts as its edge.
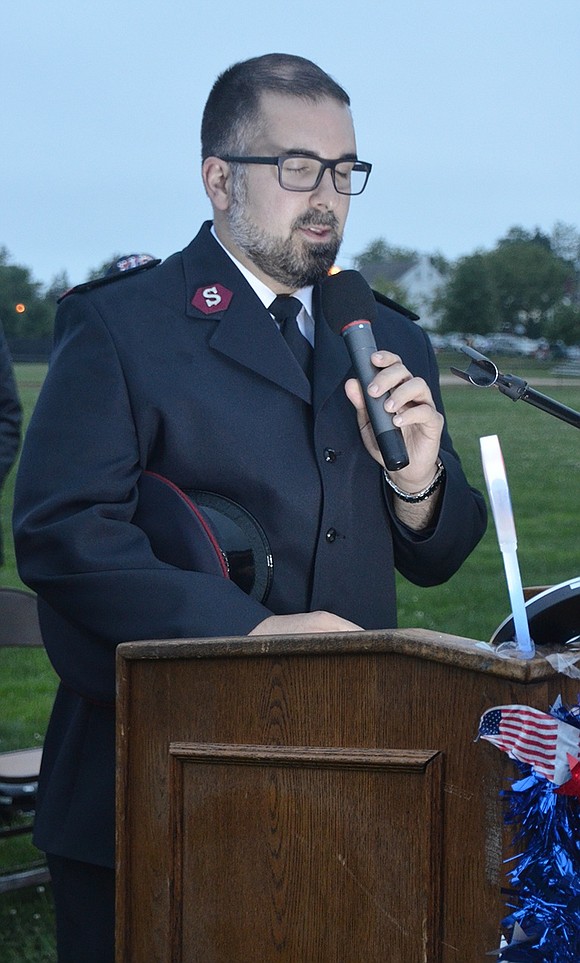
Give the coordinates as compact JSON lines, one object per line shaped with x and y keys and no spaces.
{"x":212,"y":298}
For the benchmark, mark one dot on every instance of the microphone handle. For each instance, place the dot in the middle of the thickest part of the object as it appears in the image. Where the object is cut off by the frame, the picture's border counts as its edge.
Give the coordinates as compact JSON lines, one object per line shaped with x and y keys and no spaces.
{"x":360,"y":341}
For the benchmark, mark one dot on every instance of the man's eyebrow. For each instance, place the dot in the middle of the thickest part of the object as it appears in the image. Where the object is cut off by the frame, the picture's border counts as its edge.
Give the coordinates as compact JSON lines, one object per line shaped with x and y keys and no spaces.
{"x":304,"y":152}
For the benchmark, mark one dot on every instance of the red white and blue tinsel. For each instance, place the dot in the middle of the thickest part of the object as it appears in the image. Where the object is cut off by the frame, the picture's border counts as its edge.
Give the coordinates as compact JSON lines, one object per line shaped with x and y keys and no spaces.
{"x":543,"y":925}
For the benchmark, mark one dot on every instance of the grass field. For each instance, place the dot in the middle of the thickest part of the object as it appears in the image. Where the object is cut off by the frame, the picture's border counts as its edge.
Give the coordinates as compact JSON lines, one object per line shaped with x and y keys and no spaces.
{"x":542,"y":458}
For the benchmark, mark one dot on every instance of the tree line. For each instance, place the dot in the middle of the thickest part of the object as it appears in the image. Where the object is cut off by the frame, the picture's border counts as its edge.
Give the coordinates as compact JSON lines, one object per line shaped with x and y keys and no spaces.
{"x":529,"y":283}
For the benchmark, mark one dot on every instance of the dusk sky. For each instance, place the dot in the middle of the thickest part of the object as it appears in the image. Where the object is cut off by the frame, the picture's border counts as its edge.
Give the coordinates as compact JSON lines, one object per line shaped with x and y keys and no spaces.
{"x":468,"y":110}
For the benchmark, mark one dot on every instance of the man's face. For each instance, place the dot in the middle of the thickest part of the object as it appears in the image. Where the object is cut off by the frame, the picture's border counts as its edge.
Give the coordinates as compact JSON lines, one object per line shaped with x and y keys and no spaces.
{"x":288,"y":238}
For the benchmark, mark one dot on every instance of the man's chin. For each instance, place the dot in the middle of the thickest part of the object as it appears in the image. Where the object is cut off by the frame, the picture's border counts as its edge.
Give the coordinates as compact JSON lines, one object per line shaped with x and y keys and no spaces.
{"x":297,"y":263}
{"x":320,"y":261}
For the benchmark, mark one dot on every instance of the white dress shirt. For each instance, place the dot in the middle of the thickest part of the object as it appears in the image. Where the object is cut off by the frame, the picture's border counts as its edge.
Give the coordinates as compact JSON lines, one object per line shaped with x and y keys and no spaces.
{"x":266,"y":295}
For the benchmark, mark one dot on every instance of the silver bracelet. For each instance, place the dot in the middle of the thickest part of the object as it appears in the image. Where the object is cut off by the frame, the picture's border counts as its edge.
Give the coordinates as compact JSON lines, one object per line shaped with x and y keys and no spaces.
{"x":413,"y":497}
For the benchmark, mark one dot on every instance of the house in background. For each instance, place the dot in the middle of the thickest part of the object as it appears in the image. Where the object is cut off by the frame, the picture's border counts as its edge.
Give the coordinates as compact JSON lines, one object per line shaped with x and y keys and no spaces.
{"x":414,"y":280}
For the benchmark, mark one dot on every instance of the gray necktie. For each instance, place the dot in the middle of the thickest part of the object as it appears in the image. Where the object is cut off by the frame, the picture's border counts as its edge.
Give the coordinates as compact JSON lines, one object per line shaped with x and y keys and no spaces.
{"x":286,"y":310}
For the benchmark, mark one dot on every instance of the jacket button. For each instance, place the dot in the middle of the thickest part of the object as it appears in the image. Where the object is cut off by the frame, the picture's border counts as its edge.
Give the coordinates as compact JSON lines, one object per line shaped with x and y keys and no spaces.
{"x":329,"y":454}
{"x":331,"y":535}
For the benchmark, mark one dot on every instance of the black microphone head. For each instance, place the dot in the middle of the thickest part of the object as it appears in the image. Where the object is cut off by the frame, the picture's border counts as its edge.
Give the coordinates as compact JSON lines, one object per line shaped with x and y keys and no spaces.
{"x":347,"y":297}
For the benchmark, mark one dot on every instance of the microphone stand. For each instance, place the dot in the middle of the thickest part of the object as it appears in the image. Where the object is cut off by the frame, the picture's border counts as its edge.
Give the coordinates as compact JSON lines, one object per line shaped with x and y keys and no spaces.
{"x":483,"y":373}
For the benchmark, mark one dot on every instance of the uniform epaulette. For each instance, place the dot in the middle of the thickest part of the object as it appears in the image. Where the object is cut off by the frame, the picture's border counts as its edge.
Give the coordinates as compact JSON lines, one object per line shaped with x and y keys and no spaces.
{"x":109,"y":278}
{"x":389,"y":303}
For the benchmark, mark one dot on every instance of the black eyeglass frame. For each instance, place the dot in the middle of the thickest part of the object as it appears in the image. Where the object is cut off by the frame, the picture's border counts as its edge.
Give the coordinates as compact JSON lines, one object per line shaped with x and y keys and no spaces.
{"x":362,"y":166}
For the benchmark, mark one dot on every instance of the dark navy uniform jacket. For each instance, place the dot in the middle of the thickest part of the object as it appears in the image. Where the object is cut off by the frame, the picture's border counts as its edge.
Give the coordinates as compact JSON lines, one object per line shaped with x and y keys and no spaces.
{"x":181,"y":370}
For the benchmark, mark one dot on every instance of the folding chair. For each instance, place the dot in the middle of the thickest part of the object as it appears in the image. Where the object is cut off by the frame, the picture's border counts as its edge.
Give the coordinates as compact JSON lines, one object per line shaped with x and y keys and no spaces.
{"x":19,"y":768}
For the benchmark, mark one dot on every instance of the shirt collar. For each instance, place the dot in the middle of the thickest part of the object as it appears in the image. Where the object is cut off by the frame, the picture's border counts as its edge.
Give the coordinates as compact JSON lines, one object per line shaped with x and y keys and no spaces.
{"x":266,"y":295}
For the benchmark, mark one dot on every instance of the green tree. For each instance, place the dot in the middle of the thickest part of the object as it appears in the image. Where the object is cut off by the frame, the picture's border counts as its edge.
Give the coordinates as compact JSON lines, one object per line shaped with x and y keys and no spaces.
{"x":377,"y":253}
{"x":529,"y":282}
{"x":516,"y":287}
{"x":24,"y":310}
{"x":519,"y":235}
{"x":379,"y":250}
{"x":394,"y":291}
{"x":439,"y":261}
{"x":102,"y":268}
{"x":468,"y":302}
{"x":566,"y":242}
{"x":564,"y":324}
{"x":58,"y":286}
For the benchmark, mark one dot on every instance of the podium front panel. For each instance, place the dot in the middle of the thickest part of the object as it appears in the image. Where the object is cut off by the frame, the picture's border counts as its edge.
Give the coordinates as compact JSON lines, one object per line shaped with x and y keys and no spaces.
{"x":309,"y":834}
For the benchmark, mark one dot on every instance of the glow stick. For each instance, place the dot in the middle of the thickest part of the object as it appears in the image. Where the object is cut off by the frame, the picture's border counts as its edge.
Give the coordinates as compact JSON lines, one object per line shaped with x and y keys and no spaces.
{"x":499,"y":496}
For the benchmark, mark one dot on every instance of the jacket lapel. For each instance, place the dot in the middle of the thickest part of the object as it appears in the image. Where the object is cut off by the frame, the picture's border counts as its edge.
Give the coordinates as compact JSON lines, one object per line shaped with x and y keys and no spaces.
{"x":251,"y":337}
{"x":245,"y":331}
{"x":331,"y":359}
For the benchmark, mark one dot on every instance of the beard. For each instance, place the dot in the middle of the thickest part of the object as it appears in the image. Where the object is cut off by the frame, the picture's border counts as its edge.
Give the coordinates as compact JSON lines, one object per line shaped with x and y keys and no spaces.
{"x":290,"y":260}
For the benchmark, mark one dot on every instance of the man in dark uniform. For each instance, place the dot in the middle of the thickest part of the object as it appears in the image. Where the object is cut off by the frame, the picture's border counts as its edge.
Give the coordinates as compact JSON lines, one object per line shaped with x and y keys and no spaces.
{"x":182,"y":369}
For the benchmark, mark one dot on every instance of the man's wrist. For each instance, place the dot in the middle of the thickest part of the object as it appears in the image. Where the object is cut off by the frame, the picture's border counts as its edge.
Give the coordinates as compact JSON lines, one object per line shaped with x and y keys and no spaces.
{"x":413,"y":497}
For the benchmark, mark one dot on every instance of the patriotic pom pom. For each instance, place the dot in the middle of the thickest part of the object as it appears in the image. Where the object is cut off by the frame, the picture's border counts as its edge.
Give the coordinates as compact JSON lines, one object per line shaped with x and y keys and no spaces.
{"x":546,"y":875}
{"x":544,"y":925}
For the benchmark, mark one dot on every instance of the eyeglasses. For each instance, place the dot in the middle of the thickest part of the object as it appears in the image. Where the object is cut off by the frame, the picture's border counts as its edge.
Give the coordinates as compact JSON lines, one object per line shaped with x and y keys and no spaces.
{"x":300,"y":172}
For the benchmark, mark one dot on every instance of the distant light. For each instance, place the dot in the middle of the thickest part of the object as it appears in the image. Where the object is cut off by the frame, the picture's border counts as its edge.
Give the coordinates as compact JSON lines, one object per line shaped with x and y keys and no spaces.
{"x":335,"y":269}
{"x":20,"y":308}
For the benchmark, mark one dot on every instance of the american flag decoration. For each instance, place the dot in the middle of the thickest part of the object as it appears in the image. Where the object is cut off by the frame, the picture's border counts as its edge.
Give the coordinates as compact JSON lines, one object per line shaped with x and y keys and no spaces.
{"x":543,"y":806}
{"x":533,"y":737}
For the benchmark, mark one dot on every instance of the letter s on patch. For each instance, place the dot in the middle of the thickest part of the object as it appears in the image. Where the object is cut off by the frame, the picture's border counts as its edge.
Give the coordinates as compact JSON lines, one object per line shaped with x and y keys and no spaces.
{"x":211,"y":297}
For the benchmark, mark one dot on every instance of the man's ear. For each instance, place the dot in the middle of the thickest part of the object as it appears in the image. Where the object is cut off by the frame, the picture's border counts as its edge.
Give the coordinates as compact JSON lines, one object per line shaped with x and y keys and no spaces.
{"x":217,"y":182}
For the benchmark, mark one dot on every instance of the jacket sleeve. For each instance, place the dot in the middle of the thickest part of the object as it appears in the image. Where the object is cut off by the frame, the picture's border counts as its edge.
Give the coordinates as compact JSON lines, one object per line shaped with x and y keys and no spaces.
{"x":432,"y":556}
{"x":75,"y":498}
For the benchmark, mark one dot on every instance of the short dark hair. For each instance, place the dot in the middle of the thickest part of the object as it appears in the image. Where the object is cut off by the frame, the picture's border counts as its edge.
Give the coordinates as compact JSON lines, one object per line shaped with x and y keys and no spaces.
{"x":232,"y":111}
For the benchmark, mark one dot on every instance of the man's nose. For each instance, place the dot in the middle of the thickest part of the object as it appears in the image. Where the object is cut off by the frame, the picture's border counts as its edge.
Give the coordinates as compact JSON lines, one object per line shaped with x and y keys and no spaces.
{"x":325,"y":195}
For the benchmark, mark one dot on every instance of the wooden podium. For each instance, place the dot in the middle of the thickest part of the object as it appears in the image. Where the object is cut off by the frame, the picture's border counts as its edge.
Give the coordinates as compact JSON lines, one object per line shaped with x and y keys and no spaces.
{"x":314,"y":799}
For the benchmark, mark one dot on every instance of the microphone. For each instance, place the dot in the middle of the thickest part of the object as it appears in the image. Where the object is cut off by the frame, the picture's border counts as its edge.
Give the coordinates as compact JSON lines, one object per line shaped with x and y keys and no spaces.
{"x":349,"y":307}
